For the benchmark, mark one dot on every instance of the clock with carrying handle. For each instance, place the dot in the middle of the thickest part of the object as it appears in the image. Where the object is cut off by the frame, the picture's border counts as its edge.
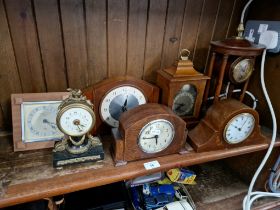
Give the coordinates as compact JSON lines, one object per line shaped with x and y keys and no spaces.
{"x":182,"y":88}
{"x":147,"y":131}
{"x":228,"y":123}
{"x":114,"y":96}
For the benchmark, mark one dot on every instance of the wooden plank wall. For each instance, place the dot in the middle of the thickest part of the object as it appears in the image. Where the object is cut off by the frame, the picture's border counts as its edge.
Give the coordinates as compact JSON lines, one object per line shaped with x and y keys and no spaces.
{"x":49,"y":45}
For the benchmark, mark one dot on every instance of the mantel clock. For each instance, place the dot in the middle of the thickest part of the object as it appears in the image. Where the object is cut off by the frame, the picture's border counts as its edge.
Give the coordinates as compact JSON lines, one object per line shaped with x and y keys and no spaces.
{"x":182,"y":88}
{"x":149,"y":130}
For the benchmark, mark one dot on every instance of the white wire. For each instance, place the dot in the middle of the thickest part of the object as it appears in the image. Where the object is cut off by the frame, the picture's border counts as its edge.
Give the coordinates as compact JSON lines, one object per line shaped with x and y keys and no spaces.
{"x":247,"y":202}
{"x":244,"y":9}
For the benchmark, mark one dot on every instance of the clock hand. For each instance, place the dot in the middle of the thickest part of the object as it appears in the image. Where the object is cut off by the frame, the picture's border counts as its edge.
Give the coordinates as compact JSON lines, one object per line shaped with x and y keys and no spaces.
{"x":124,"y":108}
{"x":243,"y":124}
{"x":156,"y":137}
{"x":53,"y":125}
{"x":178,"y":106}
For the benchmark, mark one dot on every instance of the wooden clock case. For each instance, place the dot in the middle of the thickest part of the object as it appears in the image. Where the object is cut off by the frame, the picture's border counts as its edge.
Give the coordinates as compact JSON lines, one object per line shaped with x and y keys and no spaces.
{"x":222,"y":55}
{"x":125,"y":147}
{"x":97,"y":92}
{"x":171,"y":81}
{"x":208,"y":134}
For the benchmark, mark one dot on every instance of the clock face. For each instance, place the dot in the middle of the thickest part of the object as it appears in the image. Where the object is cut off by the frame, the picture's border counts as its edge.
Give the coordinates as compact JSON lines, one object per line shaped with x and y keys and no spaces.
{"x":39,"y":121}
{"x":156,"y":136}
{"x":239,"y":128}
{"x":119,"y":100}
{"x":183,"y":103}
{"x":241,"y":70}
{"x":75,"y":120}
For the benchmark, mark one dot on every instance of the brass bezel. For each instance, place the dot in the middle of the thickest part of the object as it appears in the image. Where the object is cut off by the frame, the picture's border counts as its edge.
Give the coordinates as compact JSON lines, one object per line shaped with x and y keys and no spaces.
{"x":75,"y":104}
{"x":232,"y":119}
{"x":235,"y":67}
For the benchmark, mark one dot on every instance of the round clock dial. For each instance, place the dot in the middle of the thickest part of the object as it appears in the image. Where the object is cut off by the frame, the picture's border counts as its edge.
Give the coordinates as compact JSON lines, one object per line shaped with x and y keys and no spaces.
{"x":156,"y":136}
{"x":41,"y":122}
{"x":75,"y":120}
{"x":239,"y":128}
{"x":118,"y":101}
{"x":241,"y":70}
{"x":183,"y":103}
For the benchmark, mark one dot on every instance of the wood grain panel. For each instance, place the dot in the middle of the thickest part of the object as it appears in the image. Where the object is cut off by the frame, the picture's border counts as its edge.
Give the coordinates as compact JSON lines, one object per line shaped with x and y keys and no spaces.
{"x":73,"y":25}
{"x":25,"y":41}
{"x":206,"y":30}
{"x":136,"y":37}
{"x":51,"y":44}
{"x":191,"y":23}
{"x":154,"y":39}
{"x":235,"y":17}
{"x":9,"y":78}
{"x":223,"y":20}
{"x":174,"y":22}
{"x":117,"y":37}
{"x":96,"y":32}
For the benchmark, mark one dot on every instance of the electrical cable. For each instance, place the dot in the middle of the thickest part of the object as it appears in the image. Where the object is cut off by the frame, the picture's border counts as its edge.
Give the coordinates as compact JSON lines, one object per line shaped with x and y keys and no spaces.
{"x":274,"y":176}
{"x":243,"y":11}
{"x":248,"y":200}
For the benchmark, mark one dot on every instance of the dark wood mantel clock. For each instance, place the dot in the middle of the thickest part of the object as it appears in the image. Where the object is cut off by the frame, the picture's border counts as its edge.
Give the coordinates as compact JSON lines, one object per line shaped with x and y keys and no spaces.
{"x":148,"y":131}
{"x":182,"y":88}
{"x":228,"y":122}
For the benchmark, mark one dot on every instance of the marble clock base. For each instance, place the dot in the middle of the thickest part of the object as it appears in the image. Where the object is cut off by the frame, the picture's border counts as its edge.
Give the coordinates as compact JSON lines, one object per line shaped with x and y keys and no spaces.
{"x":63,"y":158}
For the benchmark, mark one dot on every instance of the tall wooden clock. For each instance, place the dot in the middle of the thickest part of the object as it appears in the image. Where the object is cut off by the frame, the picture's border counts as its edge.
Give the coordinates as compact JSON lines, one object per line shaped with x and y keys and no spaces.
{"x":231,"y":65}
{"x":228,"y":122}
{"x":182,"y":89}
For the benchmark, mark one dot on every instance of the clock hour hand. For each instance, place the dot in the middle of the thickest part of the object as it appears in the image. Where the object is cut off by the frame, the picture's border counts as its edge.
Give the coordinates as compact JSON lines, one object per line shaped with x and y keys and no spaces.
{"x":53,"y":125}
{"x":124,"y":108}
{"x":178,"y":107}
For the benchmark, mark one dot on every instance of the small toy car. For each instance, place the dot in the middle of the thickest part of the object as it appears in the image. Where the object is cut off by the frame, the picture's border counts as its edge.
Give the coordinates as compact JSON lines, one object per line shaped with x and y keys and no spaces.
{"x":159,"y":189}
{"x":177,"y":205}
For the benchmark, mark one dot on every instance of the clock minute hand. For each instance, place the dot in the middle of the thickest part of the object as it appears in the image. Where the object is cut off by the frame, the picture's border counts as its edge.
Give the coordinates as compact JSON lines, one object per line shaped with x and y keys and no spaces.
{"x":53,"y":125}
{"x":150,"y":137}
{"x":124,"y":108}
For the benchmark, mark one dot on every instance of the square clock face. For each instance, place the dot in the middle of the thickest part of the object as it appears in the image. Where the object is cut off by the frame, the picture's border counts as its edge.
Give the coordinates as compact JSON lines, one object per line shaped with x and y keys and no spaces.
{"x":39,"y":121}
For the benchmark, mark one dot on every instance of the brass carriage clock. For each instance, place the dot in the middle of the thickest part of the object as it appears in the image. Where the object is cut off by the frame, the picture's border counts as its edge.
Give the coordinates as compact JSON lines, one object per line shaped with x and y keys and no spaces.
{"x":228,"y":122}
{"x":75,"y":118}
{"x":182,"y":88}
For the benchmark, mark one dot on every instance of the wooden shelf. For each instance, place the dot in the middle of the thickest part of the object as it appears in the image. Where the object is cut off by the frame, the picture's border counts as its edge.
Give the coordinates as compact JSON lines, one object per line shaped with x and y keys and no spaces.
{"x":28,"y":176}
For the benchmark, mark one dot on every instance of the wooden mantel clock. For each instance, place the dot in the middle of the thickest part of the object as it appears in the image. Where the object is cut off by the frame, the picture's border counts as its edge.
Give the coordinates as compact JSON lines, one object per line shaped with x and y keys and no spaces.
{"x":149,"y":130}
{"x":182,"y":89}
{"x":111,"y":97}
{"x":228,"y":122}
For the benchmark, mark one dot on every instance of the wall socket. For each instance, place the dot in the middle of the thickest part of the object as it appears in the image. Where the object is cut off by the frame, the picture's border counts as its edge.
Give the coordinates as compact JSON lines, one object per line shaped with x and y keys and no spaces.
{"x":254,"y":28}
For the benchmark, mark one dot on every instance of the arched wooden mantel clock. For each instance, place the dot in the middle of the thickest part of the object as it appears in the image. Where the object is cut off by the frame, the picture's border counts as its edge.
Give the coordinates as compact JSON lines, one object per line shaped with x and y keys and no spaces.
{"x":182,"y":88}
{"x":228,"y":122}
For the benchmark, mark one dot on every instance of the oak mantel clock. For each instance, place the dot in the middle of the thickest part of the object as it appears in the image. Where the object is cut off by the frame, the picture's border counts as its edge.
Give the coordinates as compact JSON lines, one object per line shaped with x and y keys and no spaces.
{"x":182,"y":89}
{"x":149,"y":130}
{"x":111,"y":97}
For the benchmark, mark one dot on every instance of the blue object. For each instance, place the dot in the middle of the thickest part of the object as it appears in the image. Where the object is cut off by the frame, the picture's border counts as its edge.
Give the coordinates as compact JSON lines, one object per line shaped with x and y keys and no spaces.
{"x":135,"y":198}
{"x":159,"y":189}
{"x":157,"y":201}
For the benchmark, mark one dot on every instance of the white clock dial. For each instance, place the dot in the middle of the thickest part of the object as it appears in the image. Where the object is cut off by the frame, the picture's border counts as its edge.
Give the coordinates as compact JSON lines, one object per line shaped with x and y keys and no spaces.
{"x":239,"y":128}
{"x":118,"y":101}
{"x":40,"y":121}
{"x":156,"y":136}
{"x":76,"y":121}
